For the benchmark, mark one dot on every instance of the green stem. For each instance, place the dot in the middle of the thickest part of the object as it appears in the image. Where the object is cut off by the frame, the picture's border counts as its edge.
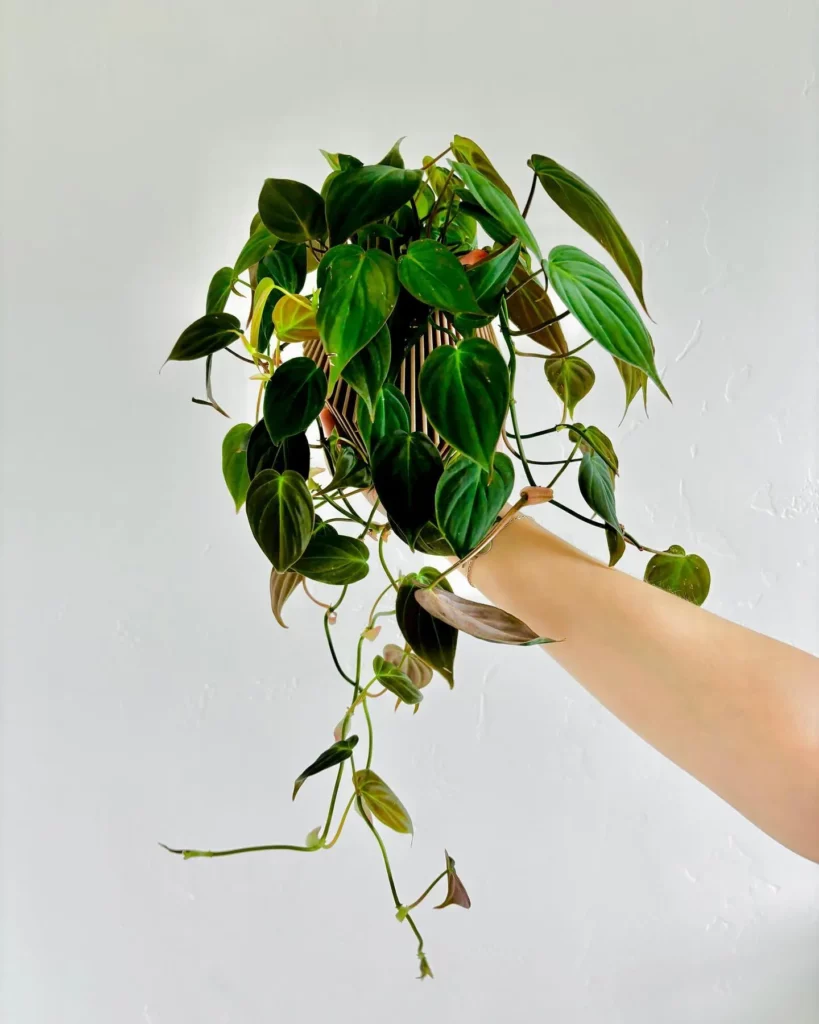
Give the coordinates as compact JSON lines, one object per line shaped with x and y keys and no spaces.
{"x":545,"y":323}
{"x":427,"y":891}
{"x":437,"y":203}
{"x":189,"y":854}
{"x":562,"y":469}
{"x":369,"y":522}
{"x":333,"y":798}
{"x":383,"y":561}
{"x":577,"y":515}
{"x":334,"y":840}
{"x":376,"y":603}
{"x":540,"y":433}
{"x":435,"y":159}
{"x":366,"y":711}
{"x":513,"y":364}
{"x":524,"y":282}
{"x":552,"y":356}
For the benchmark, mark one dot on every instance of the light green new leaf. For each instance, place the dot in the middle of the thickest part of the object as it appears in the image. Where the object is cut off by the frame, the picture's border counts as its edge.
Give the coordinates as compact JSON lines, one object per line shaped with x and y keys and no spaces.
{"x":359,"y":293}
{"x":431,"y":273}
{"x":367,"y":371}
{"x":598,"y":302}
{"x":219,"y":290}
{"x":595,"y":483}
{"x":687,"y":576}
{"x":469,"y":152}
{"x":499,"y":206}
{"x":291,"y":210}
{"x":571,"y":379}
{"x":335,"y":755}
{"x":465,"y":392}
{"x":208,"y":334}
{"x":362,"y":195}
{"x":406,"y":469}
{"x":396,"y":681}
{"x":379,"y":799}
{"x":293,"y":398}
{"x":280,"y":512}
{"x":234,"y":462}
{"x":590,"y":211}
{"x":467,"y":500}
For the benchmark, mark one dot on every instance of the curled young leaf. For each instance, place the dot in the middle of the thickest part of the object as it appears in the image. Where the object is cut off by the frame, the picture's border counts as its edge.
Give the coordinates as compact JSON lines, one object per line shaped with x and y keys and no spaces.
{"x":456,"y":894}
{"x":484,"y":621}
{"x":234,"y":462}
{"x":280,"y":512}
{"x":396,"y":681}
{"x":381,"y":801}
{"x":687,"y":576}
{"x":431,"y":639}
{"x":293,"y":398}
{"x":282,"y":585}
{"x":417,"y":671}
{"x":337,"y":754}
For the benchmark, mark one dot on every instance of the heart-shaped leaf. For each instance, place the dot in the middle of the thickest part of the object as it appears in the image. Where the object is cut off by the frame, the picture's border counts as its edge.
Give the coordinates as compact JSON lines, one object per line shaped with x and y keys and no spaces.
{"x":292,"y":210}
{"x":396,"y":681}
{"x":208,"y":334}
{"x":234,"y":462}
{"x":337,"y":754}
{"x":359,"y":293}
{"x":595,"y":482}
{"x":467,"y":500}
{"x":334,"y":559}
{"x":430,"y":638}
{"x":286,"y":269}
{"x":687,"y":576}
{"x":362,"y":195}
{"x":219,"y":290}
{"x":599,"y":303}
{"x":431,"y":273}
{"x":293,"y":398}
{"x":465,"y":392}
{"x":484,"y":621}
{"x":499,"y":206}
{"x":489,"y":277}
{"x":529,"y":306}
{"x":380,"y":800}
{"x":571,"y":378}
{"x":406,"y":468}
{"x":417,"y":671}
{"x":394,"y":158}
{"x":456,"y":894}
{"x":280,"y":513}
{"x":589,"y":210}
{"x":260,"y":244}
{"x":282,"y":585}
{"x":367,"y":371}
{"x":293,"y":453}
{"x":391,"y":414}
{"x":294,"y":319}
{"x":469,"y":152}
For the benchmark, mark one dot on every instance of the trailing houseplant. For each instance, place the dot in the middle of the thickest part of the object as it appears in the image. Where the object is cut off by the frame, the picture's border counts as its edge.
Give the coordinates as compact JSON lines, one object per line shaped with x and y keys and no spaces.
{"x":369,"y":327}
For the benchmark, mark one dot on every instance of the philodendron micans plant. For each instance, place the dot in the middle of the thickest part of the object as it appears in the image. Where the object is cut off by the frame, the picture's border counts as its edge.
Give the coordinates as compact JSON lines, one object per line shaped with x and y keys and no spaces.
{"x":369,"y":329}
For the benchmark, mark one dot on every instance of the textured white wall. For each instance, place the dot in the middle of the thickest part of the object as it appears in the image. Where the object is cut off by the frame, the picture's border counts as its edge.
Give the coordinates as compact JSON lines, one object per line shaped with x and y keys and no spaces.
{"x":147,"y":693}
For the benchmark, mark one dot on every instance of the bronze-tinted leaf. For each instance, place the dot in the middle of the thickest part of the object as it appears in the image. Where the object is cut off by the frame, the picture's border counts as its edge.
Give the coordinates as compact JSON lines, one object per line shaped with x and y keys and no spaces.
{"x":282,"y":585}
{"x":418,"y":672}
{"x":380,"y":799}
{"x":484,"y":621}
{"x":529,"y":306}
{"x":470,"y":153}
{"x":571,"y":379}
{"x":456,"y":894}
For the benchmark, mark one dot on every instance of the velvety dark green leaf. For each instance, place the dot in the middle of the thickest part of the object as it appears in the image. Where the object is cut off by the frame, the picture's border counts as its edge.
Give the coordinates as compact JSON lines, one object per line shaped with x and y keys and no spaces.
{"x":260,"y":244}
{"x":381,"y":801}
{"x":496,"y":231}
{"x":599,"y":303}
{"x":208,"y":334}
{"x":362,"y":195}
{"x":430,"y":541}
{"x":484,"y":621}
{"x":335,"y":755}
{"x":616,"y":544}
{"x":405,"y":469}
{"x":234,"y":462}
{"x":465,"y":392}
{"x":394,"y":158}
{"x":391,"y":414}
{"x":291,"y":210}
{"x":587,"y":209}
{"x":467,"y":323}
{"x":396,"y":681}
{"x":571,"y":378}
{"x":529,"y":305}
{"x":293,"y":453}
{"x":359,"y":293}
{"x":488,"y":278}
{"x":293,"y":398}
{"x":282,"y":269}
{"x":280,"y":513}
{"x":333,"y":558}
{"x":349,"y":469}
{"x":408,"y":324}
{"x":282,"y":585}
{"x":327,"y":261}
{"x":367,"y":371}
{"x":592,"y":439}
{"x":378,"y":231}
{"x":634,"y":381}
{"x":431,"y":273}
{"x":456,"y":894}
{"x":469,"y":152}
{"x":467,"y":501}
{"x":431,"y":639}
{"x":687,"y":576}
{"x":219,"y":290}
{"x":266,"y":321}
{"x":499,"y":206}
{"x":595,"y":483}
{"x":417,"y":671}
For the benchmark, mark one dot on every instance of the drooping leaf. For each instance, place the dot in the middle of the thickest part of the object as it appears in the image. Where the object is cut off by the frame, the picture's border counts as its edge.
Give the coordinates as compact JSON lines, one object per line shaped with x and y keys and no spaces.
{"x":431,"y":273}
{"x":489,"y":278}
{"x":260,"y":297}
{"x":234,"y":462}
{"x":406,"y":468}
{"x":280,"y":513}
{"x":381,"y":801}
{"x":394,"y":158}
{"x":208,"y":334}
{"x":260,"y":243}
{"x":599,"y":303}
{"x":335,"y":755}
{"x":456,"y":894}
{"x":465,"y":392}
{"x":367,"y":371}
{"x":589,"y":210}
{"x":391,"y":414}
{"x":334,"y":559}
{"x":396,"y":681}
{"x":293,"y":398}
{"x":293,"y":453}
{"x":359,"y":293}
{"x":571,"y":379}
{"x":592,"y":439}
{"x":616,"y":544}
{"x":595,"y":483}
{"x":484,"y":621}
{"x":529,"y":306}
{"x":469,"y":152}
{"x":291,"y":210}
{"x":467,"y":500}
{"x":492,"y":227}
{"x":219,"y":290}
{"x":687,"y":576}
{"x":417,"y":671}
{"x":634,"y":381}
{"x":294,"y":319}
{"x":362,"y":195}
{"x":433,"y":640}
{"x":499,"y":206}
{"x":282,"y":585}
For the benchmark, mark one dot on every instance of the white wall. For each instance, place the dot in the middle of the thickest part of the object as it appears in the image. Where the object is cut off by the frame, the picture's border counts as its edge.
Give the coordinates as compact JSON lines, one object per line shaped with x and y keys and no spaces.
{"x":147,"y":694}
